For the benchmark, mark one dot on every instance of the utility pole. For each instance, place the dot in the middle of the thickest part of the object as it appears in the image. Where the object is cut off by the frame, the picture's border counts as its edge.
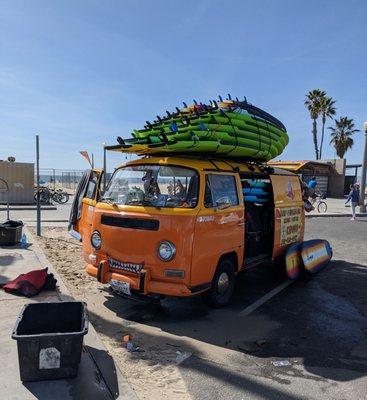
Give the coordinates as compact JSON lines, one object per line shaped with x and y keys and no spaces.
{"x":362,"y":207}
{"x":38,"y":186}
{"x":104,"y":166}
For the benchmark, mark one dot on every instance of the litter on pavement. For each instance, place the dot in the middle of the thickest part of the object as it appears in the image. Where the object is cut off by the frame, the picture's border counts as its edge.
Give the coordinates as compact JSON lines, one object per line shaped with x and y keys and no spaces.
{"x":129,"y":344}
{"x":182,"y":356}
{"x":281,"y":363}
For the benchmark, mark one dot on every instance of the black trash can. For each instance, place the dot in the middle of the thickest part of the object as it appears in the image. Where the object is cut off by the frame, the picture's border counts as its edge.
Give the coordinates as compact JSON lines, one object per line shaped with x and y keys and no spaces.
{"x":49,"y":336}
{"x":10,"y":232}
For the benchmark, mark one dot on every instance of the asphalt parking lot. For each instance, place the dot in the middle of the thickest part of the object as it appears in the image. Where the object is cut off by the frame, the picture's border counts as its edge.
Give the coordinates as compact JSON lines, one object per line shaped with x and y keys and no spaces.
{"x":317,"y":326}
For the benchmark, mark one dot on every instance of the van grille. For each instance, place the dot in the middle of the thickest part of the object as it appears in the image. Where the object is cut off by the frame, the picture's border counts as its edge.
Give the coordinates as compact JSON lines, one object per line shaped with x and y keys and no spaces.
{"x":129,"y":267}
{"x":131,"y":223}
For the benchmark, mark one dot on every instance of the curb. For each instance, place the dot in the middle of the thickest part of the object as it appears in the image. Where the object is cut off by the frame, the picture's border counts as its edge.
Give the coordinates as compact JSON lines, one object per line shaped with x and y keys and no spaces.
{"x":333,"y":215}
{"x":46,"y":220}
{"x":125,"y":391}
{"x":28,"y":208}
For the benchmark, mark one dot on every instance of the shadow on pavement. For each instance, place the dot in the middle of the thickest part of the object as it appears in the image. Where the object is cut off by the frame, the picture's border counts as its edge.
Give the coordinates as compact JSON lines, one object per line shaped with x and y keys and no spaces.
{"x":89,"y":383}
{"x":6,"y":261}
{"x":320,"y":321}
{"x":213,"y":374}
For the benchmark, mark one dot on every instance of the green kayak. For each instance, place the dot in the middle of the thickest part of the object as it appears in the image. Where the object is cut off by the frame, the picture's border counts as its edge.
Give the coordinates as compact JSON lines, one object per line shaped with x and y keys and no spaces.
{"x":233,"y":129}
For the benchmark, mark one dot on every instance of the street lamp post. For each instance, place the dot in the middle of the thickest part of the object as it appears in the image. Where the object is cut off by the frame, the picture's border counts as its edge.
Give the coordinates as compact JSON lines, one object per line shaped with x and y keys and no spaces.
{"x":362,"y":207}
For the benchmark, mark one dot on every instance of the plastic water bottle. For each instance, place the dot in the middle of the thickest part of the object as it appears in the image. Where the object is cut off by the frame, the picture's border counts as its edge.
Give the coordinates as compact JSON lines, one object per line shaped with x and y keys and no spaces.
{"x":23,"y":241}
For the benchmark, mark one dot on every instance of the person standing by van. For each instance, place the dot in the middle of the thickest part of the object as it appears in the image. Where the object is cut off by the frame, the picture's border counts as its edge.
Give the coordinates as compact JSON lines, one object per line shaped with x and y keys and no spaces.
{"x":354,"y":197}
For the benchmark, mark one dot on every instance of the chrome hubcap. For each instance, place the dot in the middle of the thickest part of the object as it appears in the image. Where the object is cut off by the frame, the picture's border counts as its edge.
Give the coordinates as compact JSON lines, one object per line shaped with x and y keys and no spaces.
{"x":223,"y":282}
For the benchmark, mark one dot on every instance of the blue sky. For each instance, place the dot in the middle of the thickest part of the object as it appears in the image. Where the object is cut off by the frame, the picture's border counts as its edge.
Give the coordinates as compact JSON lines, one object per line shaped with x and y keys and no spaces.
{"x":80,"y":73}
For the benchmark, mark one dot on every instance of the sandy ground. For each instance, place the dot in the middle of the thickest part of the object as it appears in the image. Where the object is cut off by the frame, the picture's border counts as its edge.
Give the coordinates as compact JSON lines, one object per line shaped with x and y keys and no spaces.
{"x":153,"y":371}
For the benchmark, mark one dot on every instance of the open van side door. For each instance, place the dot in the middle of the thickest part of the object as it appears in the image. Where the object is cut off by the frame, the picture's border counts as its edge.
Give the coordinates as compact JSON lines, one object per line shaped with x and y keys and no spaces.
{"x":82,"y":209}
{"x":289,"y":220}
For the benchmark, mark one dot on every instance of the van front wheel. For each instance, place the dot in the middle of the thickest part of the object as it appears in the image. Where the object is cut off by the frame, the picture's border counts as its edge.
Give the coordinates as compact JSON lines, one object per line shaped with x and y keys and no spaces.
{"x":221,"y":291}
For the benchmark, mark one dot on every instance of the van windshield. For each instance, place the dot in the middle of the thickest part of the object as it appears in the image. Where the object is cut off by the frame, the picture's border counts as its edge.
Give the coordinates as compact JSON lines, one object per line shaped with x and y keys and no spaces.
{"x":153,"y":185}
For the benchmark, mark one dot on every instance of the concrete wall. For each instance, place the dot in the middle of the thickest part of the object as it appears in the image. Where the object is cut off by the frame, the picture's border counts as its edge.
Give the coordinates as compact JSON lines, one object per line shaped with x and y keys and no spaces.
{"x":336,"y":178}
{"x":20,"y":178}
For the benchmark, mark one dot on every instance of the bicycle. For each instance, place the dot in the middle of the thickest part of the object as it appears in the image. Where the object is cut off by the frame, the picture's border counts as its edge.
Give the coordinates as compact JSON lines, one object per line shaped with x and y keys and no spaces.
{"x":43,"y":194}
{"x":60,"y":196}
{"x":46,"y":195}
{"x":319,"y":203}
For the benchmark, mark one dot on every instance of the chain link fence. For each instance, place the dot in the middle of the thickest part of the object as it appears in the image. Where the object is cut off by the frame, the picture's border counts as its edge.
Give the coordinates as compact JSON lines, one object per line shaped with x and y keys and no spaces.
{"x":60,"y":178}
{"x":71,"y":179}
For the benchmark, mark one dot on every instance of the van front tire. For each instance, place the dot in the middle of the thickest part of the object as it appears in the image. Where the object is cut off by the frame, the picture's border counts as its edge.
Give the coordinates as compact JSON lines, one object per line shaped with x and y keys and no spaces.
{"x":221,"y":292}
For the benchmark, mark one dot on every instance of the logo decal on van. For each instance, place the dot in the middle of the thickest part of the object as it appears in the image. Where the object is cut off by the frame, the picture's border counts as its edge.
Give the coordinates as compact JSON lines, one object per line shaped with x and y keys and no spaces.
{"x":289,"y":191}
{"x":205,"y":218}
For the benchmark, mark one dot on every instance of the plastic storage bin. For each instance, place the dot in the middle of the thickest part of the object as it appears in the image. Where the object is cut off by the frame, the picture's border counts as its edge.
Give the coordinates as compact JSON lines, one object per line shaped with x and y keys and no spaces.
{"x":10,"y":233}
{"x":49,"y":336}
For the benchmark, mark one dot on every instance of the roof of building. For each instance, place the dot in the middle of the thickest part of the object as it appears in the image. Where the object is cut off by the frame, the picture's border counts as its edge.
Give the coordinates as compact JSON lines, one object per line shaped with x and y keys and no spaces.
{"x":353,"y":166}
{"x":295,"y":166}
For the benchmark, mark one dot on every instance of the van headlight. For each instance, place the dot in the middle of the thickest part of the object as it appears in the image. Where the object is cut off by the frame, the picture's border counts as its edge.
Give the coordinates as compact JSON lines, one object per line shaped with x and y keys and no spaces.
{"x":166,"y":250}
{"x":96,"y":240}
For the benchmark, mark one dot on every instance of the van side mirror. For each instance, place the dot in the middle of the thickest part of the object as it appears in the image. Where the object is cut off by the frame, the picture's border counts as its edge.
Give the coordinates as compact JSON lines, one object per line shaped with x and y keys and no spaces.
{"x":223,"y":203}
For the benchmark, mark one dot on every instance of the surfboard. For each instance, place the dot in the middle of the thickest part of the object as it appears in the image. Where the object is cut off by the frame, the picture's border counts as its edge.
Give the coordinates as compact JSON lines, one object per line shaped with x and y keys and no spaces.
{"x":293,"y":261}
{"x":256,"y":199}
{"x":256,"y":191}
{"x":316,"y":254}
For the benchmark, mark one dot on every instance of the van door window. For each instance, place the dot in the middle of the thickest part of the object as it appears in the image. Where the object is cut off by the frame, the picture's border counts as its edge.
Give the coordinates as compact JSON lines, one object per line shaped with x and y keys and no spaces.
{"x":220,"y":189}
{"x":87,"y":188}
{"x":90,"y":193}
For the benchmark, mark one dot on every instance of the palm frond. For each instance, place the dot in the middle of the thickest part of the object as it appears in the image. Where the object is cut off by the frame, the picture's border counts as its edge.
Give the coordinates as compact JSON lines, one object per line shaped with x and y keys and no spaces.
{"x":341,"y":135}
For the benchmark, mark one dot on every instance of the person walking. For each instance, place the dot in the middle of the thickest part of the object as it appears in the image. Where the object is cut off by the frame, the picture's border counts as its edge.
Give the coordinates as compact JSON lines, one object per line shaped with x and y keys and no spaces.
{"x":354,"y":198}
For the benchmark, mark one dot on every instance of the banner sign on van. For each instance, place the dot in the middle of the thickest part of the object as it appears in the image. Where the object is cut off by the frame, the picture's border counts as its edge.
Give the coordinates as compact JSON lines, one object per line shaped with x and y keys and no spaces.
{"x":290,"y":224}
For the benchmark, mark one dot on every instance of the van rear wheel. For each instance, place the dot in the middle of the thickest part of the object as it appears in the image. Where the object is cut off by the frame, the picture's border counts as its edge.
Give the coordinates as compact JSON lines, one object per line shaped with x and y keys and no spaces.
{"x":221,"y":291}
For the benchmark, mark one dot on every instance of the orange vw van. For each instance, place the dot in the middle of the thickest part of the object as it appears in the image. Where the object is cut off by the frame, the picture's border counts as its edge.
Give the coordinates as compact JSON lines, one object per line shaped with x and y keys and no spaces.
{"x":182,"y":226}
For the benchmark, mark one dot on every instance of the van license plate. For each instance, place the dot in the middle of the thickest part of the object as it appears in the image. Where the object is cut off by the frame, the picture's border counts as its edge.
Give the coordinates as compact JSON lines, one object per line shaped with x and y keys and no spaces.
{"x":123,"y":287}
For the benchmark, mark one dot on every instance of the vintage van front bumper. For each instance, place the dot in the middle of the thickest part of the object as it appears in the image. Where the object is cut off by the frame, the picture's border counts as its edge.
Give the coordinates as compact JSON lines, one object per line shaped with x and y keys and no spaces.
{"x":141,"y":284}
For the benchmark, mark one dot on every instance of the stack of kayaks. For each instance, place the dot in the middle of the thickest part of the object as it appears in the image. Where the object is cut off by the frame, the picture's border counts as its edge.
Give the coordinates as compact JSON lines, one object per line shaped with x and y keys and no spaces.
{"x":227,"y":128}
{"x":257,"y":192}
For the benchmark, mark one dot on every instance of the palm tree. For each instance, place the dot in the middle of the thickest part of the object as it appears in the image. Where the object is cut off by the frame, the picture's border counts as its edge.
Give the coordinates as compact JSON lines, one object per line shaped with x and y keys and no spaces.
{"x":327,"y":110}
{"x":312,"y":102}
{"x":341,"y":135}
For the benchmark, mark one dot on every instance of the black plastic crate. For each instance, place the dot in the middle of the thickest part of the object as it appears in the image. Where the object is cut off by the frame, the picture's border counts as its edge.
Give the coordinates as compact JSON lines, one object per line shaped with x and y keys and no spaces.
{"x":10,"y":233}
{"x":49,"y":336}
